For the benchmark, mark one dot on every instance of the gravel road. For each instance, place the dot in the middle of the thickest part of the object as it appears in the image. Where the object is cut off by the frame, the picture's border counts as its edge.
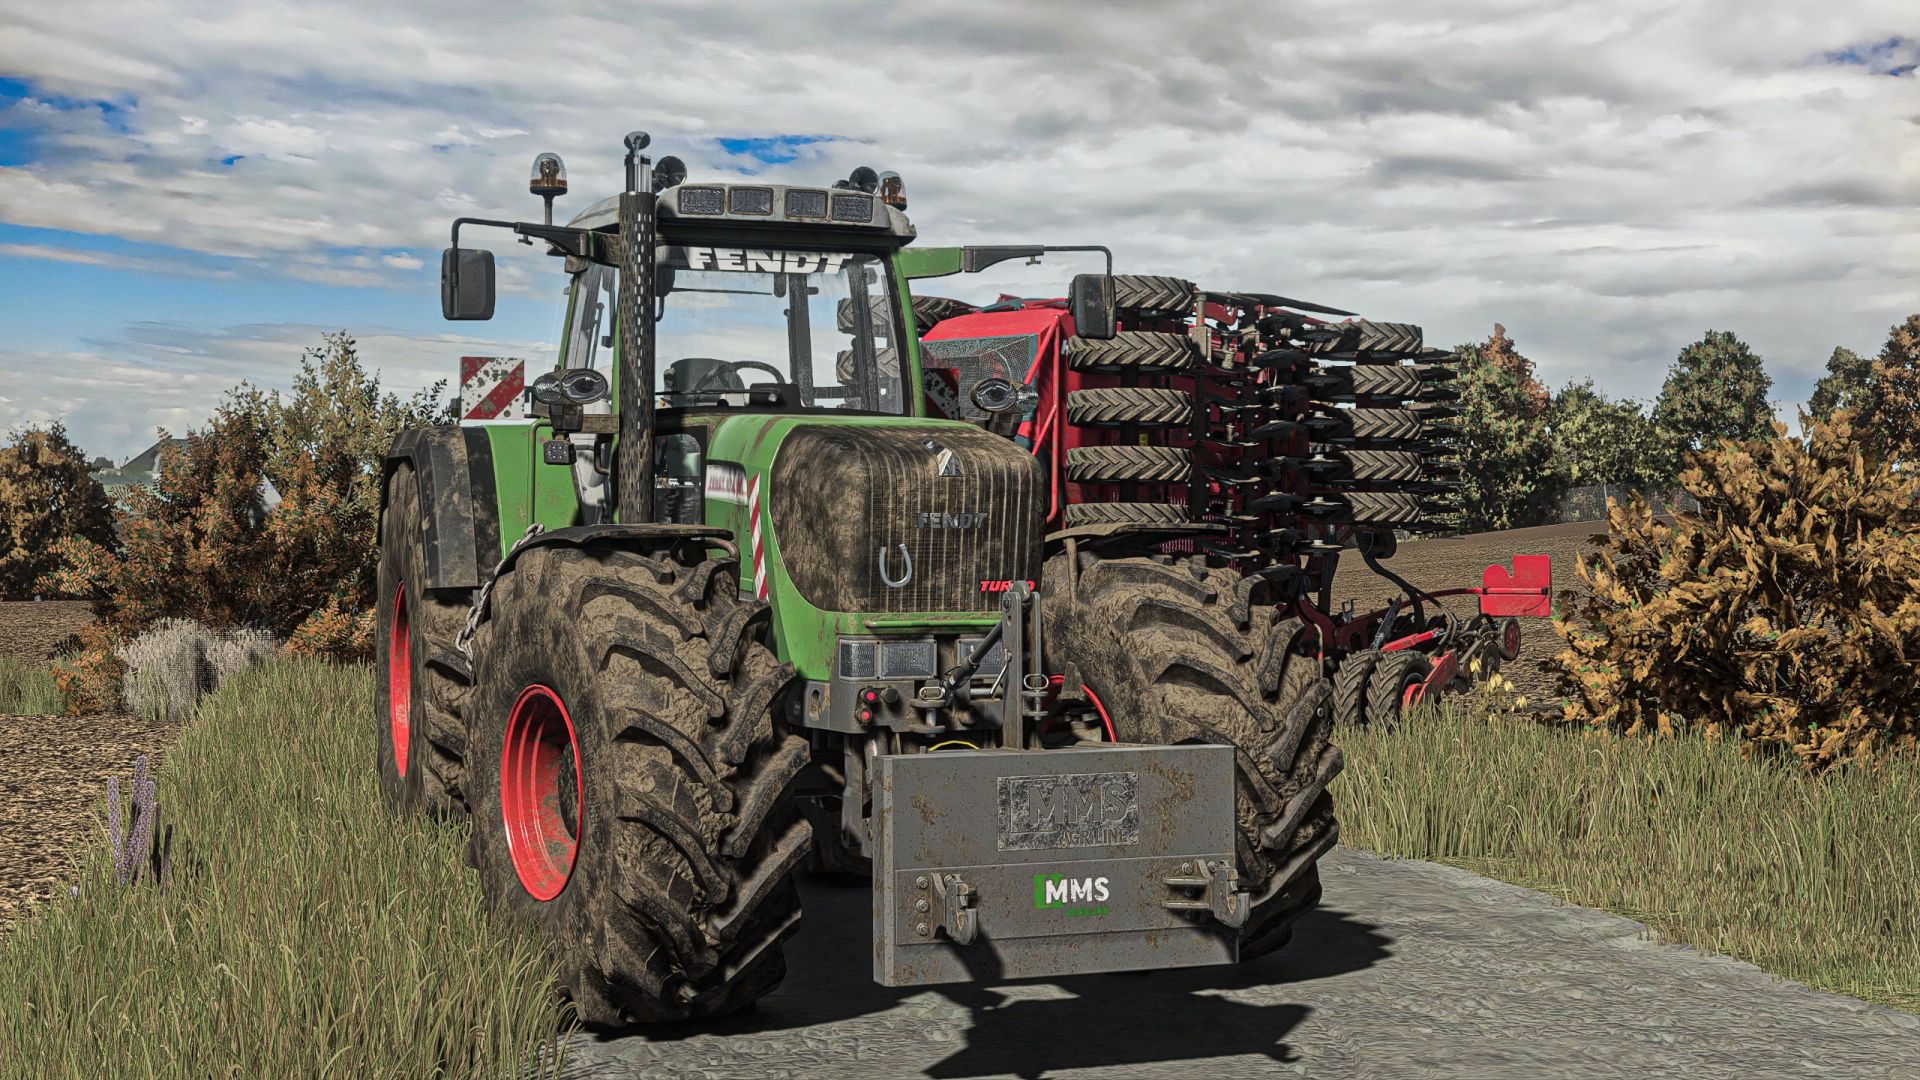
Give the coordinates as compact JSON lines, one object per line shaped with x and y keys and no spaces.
{"x":1410,"y":969}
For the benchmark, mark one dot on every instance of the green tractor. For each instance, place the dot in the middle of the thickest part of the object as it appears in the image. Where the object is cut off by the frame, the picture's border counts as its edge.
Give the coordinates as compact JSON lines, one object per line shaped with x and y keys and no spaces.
{"x":733,"y":601}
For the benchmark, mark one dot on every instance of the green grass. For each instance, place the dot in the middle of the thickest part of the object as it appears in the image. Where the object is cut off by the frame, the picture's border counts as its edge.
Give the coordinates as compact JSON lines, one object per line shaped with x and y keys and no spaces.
{"x":1810,"y":878}
{"x":27,"y":689}
{"x":305,"y":933}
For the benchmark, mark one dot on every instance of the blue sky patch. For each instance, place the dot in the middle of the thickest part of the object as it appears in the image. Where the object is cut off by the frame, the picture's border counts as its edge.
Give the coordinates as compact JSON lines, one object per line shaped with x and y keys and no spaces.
{"x":765,"y":150}
{"x":1893,"y":56}
{"x":18,"y":142}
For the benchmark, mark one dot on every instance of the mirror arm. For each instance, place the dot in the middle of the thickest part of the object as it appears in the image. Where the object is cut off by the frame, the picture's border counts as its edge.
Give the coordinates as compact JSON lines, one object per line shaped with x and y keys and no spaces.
{"x":570,"y":241}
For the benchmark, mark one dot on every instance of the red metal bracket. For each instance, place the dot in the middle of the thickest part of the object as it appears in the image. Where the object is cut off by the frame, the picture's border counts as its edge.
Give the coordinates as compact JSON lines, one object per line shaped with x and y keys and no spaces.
{"x":1526,"y":590}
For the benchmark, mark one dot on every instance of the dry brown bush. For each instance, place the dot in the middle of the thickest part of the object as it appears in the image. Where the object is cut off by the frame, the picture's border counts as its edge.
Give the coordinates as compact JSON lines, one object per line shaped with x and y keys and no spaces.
{"x":1786,"y":612}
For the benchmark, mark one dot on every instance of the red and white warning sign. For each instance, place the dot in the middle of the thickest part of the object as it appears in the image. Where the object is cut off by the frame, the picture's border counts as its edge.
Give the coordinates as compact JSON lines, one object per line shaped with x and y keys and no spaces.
{"x":492,"y":388}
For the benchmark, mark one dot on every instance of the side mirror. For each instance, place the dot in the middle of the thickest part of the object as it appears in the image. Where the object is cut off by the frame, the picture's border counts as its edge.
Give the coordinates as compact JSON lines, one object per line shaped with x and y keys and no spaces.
{"x":466,"y":284}
{"x":1090,"y":301}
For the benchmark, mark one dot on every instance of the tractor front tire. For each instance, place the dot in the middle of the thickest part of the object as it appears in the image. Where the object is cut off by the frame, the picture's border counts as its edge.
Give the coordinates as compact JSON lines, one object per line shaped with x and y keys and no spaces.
{"x":631,"y":787}
{"x":421,"y":674}
{"x":1171,"y":658}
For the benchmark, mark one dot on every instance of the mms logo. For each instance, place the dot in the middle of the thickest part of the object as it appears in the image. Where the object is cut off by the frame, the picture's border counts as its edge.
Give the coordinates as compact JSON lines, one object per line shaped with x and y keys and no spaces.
{"x":1058,"y":891}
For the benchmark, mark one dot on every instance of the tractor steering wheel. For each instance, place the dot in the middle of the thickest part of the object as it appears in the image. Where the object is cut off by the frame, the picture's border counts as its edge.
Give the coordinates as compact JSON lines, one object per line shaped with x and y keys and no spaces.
{"x":732,"y":367}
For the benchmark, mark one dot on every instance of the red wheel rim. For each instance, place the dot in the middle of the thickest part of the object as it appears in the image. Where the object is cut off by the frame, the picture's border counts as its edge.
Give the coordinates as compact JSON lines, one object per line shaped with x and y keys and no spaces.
{"x":399,"y":679}
{"x":539,"y":777}
{"x":1411,"y":697}
{"x":1510,"y":640}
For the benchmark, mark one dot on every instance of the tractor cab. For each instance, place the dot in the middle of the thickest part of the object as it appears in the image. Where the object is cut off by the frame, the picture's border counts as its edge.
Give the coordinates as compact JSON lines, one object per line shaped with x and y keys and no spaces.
{"x":765,"y":297}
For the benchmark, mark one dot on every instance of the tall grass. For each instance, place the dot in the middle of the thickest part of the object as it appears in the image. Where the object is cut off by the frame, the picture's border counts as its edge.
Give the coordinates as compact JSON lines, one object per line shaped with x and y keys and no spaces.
{"x":305,"y":932}
{"x":27,"y":688}
{"x":1812,"y":879}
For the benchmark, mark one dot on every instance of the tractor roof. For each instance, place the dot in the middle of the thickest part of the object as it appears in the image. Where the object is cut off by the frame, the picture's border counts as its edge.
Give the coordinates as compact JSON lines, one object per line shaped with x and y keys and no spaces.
{"x":766,"y":205}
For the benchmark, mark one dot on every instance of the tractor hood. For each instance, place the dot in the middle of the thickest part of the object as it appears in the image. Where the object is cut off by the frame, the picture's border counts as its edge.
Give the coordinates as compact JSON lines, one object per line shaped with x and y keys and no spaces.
{"x":891,"y":516}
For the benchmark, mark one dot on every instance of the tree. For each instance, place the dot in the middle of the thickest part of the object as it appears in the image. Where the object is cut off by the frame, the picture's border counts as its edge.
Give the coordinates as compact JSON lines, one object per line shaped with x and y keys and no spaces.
{"x":1597,"y":440}
{"x":1889,"y":418}
{"x":204,"y":544}
{"x":46,"y":495}
{"x":1716,"y":389}
{"x":1499,"y":350}
{"x":1507,"y":478}
{"x":1844,"y":386}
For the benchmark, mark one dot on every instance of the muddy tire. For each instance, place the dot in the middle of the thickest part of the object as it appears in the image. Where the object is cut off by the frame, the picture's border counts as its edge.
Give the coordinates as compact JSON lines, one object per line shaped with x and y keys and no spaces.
{"x":1350,"y":687}
{"x":1173,"y":657}
{"x":1392,"y":677}
{"x":420,"y":675}
{"x":1128,"y":464}
{"x":1116,"y":406}
{"x":626,"y":737}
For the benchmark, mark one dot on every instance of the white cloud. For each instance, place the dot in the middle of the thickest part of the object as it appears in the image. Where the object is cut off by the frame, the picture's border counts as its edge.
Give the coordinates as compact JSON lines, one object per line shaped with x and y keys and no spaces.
{"x":1607,"y":179}
{"x":112,"y":393}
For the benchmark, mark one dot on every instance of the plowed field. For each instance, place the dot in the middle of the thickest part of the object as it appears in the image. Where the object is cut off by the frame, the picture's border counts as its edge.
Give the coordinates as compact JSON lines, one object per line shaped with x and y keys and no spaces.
{"x":1457,"y":563}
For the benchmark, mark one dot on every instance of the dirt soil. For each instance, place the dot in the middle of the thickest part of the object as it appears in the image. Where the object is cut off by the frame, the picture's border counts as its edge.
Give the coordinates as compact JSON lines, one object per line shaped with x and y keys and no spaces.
{"x":37,"y":631}
{"x":54,"y":769}
{"x":53,"y":775}
{"x":1457,"y":563}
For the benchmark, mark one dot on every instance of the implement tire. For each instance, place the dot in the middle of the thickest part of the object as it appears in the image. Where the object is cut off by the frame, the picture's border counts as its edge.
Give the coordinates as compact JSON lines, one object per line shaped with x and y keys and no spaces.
{"x":1395,"y":674}
{"x":420,"y":675}
{"x":1119,"y":405}
{"x":1135,"y":352}
{"x":1112,"y":513}
{"x":1121,"y":463}
{"x":631,"y":796}
{"x":1163,"y":648}
{"x":1350,"y":687}
{"x":931,"y":311}
{"x":1147,"y":292}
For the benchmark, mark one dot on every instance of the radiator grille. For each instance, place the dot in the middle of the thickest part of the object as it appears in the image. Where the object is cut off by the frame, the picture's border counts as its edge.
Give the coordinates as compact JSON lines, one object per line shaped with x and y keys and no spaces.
{"x":842,"y":496}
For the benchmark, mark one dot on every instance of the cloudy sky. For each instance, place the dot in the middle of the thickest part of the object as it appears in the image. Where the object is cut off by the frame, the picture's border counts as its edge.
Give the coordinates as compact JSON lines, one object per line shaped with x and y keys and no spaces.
{"x":192,"y":192}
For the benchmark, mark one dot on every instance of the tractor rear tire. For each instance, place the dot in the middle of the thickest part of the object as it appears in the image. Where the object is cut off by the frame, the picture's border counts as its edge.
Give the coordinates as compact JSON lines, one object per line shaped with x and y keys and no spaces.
{"x":656,"y":856}
{"x":421,"y":674}
{"x":1119,"y":405}
{"x":1172,"y":656}
{"x":1350,"y":687}
{"x":1392,"y":677}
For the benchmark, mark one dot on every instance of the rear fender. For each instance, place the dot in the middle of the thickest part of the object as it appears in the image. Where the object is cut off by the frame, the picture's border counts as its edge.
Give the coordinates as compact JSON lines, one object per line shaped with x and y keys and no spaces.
{"x":459,"y":521}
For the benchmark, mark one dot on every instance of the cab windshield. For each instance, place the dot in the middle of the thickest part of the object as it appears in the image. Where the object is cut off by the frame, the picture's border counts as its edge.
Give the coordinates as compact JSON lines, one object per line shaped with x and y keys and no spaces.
{"x":756,"y":328}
